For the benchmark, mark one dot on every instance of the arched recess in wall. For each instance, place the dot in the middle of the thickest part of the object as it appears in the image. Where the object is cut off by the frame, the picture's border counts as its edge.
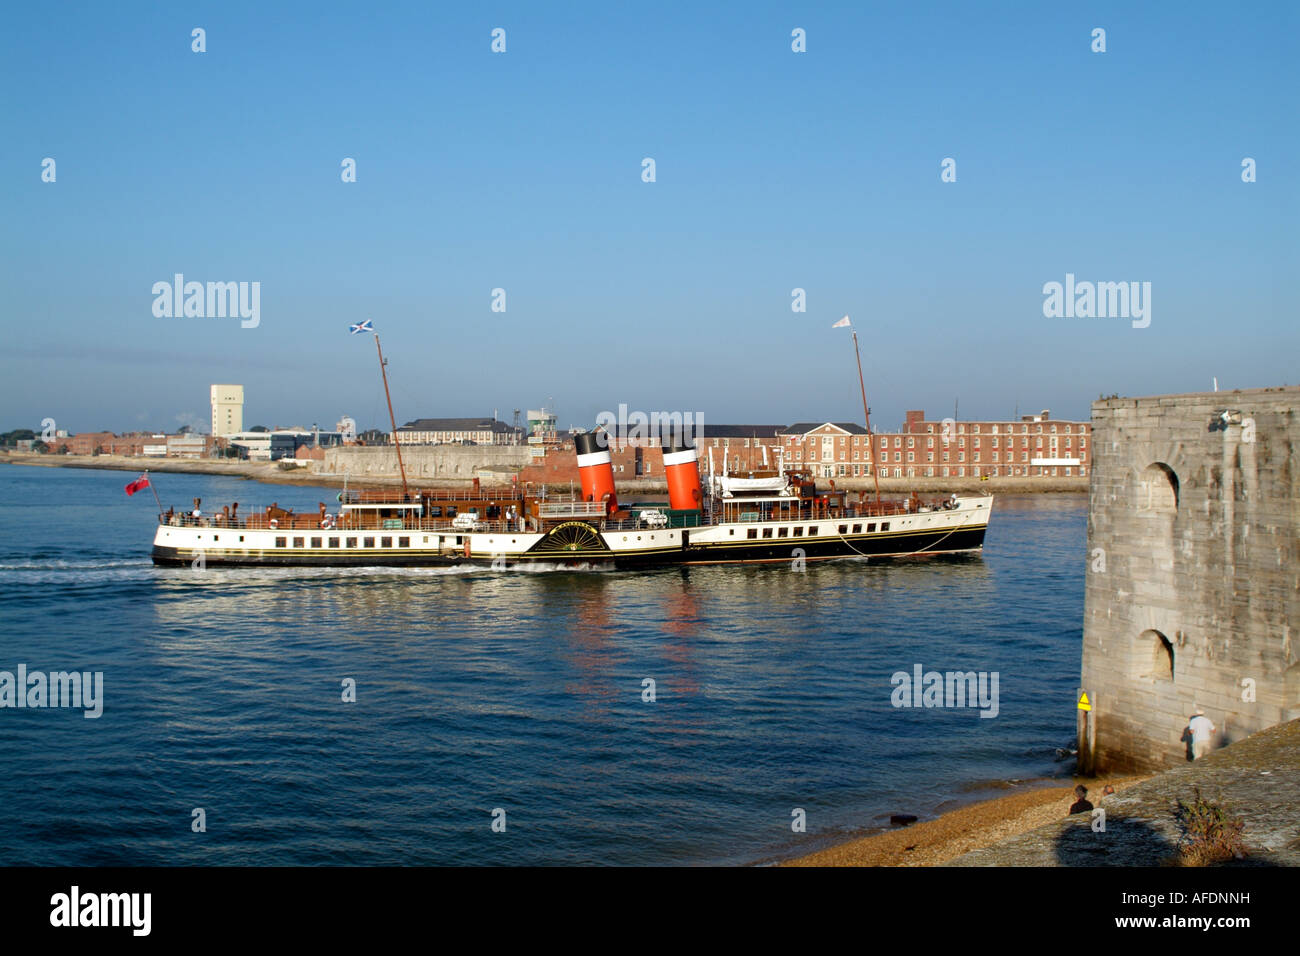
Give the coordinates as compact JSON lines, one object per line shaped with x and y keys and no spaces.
{"x":1153,"y":657}
{"x":1155,"y":511}
{"x":1158,"y":490}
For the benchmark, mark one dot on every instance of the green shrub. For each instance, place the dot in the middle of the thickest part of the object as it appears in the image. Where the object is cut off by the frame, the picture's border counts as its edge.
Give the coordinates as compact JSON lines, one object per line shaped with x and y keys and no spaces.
{"x":1210,"y":835}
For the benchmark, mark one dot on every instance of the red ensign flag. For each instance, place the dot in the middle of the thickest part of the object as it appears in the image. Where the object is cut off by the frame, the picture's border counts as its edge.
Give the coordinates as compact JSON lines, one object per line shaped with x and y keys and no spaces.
{"x":133,"y":487}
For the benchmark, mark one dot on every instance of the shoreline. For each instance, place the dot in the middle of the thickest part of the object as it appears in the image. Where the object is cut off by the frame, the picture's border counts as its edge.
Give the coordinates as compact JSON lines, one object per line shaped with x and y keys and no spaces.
{"x":940,"y":840}
{"x":266,"y":472}
{"x":272,"y":473}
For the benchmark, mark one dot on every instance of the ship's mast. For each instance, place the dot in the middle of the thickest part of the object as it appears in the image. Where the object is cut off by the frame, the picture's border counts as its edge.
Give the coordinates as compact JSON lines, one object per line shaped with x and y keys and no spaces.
{"x":866,"y":415}
{"x":383,"y":370}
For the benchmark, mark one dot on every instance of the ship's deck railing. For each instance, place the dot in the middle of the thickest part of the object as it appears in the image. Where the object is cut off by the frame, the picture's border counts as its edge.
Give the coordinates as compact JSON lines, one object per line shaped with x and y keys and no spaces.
{"x":371,"y":496}
{"x":571,"y":509}
{"x":310,"y":523}
{"x":636,"y":524}
{"x":731,"y":510}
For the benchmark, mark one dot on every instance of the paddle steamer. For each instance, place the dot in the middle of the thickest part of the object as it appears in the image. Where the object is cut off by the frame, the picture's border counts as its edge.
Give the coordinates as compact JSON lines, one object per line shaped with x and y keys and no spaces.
{"x":777,"y":516}
{"x":772,"y":515}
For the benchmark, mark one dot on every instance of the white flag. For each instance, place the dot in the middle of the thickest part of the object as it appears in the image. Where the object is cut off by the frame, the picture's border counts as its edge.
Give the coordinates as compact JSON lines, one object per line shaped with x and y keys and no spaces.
{"x":842,"y":323}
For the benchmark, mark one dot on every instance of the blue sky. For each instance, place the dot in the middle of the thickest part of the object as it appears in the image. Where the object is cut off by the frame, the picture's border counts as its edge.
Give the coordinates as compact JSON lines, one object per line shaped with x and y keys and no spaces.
{"x":522,"y":171}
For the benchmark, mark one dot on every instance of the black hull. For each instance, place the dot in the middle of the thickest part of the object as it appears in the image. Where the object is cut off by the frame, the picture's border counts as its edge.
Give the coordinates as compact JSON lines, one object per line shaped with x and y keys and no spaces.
{"x":866,"y":546}
{"x":171,"y":557}
{"x":873,"y":546}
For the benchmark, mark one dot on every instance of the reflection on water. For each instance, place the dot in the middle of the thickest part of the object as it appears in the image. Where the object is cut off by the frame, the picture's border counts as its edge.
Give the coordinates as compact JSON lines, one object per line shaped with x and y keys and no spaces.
{"x":478,"y":689}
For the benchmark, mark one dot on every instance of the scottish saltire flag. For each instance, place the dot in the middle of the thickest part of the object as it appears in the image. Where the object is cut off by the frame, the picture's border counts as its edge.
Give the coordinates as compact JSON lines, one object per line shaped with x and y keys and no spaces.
{"x":842,"y":323}
{"x":361,"y":327}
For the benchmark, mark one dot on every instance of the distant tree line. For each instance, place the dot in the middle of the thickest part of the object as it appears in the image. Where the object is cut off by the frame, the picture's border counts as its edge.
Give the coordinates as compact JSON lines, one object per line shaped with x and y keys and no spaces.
{"x":11,"y":439}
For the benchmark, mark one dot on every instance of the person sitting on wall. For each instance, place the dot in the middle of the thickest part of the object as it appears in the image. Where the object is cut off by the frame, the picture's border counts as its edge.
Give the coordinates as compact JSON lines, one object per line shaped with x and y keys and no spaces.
{"x":1081,"y":804}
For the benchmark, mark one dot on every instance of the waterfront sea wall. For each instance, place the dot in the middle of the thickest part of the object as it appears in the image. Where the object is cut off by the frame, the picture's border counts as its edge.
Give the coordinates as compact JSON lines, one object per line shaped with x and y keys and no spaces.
{"x":452,"y":465}
{"x":1193,"y":581}
{"x":423,"y":462}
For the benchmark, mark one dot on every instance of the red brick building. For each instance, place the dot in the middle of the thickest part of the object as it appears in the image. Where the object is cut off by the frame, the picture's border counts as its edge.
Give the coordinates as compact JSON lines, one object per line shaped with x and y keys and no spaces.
{"x":107,"y":443}
{"x":1033,"y":446}
{"x":102,"y":443}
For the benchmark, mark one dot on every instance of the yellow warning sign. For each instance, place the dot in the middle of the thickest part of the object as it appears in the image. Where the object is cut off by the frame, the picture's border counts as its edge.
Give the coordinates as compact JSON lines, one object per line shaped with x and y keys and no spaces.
{"x":1083,"y":701}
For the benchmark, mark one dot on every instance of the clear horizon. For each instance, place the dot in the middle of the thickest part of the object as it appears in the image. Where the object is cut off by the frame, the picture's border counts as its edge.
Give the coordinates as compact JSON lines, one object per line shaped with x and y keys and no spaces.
{"x":522,"y":170}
